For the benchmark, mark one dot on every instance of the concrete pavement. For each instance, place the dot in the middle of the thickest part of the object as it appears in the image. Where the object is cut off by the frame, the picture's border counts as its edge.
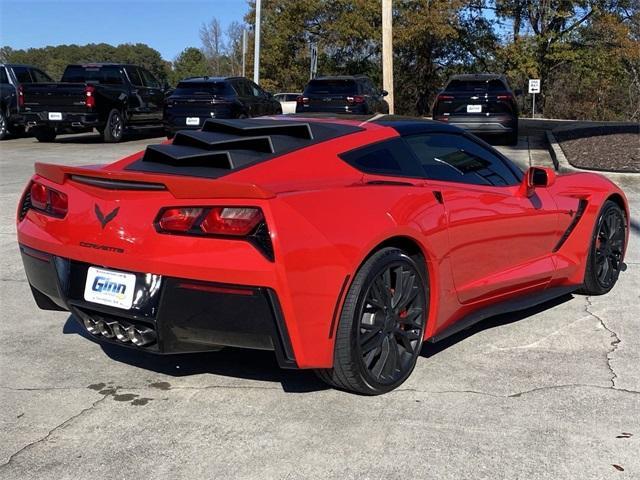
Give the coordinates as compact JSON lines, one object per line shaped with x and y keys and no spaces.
{"x":549,"y":393}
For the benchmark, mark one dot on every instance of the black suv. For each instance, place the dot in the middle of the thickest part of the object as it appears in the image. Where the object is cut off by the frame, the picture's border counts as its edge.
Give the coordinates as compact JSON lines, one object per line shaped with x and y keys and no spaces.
{"x":343,"y":94}
{"x":12,"y":76}
{"x":482,"y":103}
{"x":109,"y":97}
{"x":198,"y":98}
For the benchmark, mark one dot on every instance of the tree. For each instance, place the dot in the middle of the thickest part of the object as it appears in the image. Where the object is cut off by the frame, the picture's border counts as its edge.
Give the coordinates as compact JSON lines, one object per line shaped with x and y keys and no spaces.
{"x":190,"y":63}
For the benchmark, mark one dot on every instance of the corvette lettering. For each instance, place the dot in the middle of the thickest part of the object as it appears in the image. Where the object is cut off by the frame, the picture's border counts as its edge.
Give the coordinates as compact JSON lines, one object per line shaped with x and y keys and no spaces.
{"x":97,"y":246}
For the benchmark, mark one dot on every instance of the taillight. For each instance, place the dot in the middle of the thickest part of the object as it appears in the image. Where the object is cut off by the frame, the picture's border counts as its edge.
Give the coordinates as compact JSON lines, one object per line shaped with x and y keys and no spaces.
{"x":505,"y":97}
{"x":247,"y":223}
{"x":90,"y":100}
{"x":301,"y":99}
{"x":47,"y":200}
{"x":237,"y":221}
{"x":20,"y":96}
{"x":445,"y":97}
{"x":234,"y":221}
{"x":356,"y":99}
{"x":179,"y":220}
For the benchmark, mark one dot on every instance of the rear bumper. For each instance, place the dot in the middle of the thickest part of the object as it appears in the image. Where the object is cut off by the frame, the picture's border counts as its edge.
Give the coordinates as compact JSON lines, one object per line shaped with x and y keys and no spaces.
{"x":184,"y":315}
{"x":69,"y":120}
{"x":482,"y":124}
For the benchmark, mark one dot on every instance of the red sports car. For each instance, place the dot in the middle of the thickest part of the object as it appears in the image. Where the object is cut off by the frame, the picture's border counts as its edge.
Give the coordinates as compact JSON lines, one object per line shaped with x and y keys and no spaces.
{"x":342,"y":245}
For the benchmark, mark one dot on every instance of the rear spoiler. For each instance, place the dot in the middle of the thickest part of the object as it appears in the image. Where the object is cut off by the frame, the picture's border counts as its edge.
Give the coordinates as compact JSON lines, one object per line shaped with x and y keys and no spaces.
{"x":178,"y":186}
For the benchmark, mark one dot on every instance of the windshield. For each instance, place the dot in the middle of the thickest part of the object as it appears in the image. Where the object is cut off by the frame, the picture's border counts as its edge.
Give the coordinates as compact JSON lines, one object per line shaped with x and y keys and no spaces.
{"x":106,"y":75}
{"x":337,"y":87}
{"x":203,"y":88}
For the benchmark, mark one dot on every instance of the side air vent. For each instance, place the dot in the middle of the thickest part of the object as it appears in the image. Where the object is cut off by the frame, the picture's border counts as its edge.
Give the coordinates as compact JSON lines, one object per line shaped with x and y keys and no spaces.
{"x":182,"y":156}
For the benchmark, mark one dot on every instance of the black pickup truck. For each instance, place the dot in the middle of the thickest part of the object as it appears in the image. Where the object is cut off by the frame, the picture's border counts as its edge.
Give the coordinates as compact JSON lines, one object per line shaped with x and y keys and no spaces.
{"x":109,"y":97}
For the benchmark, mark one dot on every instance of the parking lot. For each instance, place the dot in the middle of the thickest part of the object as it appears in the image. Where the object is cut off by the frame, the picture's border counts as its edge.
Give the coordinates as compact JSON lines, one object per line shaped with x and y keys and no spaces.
{"x":552,"y":392}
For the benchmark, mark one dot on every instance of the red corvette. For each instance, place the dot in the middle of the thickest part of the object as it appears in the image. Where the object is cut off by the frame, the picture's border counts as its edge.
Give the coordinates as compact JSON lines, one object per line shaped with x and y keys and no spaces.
{"x":341,"y":245}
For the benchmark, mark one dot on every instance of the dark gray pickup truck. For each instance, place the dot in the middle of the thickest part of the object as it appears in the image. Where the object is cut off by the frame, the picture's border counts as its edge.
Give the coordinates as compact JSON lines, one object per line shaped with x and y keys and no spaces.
{"x":109,"y":97}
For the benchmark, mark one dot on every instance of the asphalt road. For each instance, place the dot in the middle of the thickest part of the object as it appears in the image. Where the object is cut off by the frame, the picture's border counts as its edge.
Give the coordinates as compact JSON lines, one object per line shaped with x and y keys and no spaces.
{"x":549,"y":393}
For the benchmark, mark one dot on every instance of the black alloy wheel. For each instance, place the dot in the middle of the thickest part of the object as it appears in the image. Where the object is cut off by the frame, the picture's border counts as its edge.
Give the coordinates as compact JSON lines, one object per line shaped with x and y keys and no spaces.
{"x":114,"y":129}
{"x":605,"y":260}
{"x":382,"y":324}
{"x":391,"y":323}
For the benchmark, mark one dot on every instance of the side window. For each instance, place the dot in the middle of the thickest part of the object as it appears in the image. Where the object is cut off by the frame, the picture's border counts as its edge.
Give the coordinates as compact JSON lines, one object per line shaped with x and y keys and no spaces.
{"x":3,"y":75}
{"x":39,"y":76}
{"x":149,"y":80}
{"x":390,"y":157}
{"x":455,"y":158}
{"x":240,"y":88}
{"x":22,"y":75}
{"x":111,"y":76}
{"x":256,"y":91}
{"x":134,"y":76}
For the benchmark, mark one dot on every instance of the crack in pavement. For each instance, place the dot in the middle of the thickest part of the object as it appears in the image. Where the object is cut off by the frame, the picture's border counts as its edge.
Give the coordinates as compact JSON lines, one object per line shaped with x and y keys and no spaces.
{"x":614,"y":343}
{"x":53,"y":430}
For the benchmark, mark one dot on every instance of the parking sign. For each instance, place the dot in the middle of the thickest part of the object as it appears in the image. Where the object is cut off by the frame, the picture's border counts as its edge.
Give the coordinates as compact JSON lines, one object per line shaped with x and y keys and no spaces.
{"x":534,"y":85}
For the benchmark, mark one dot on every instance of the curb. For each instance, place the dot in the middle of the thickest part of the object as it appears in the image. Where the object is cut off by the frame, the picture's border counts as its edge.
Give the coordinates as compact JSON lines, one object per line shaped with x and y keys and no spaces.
{"x":562,"y":165}
{"x":560,"y":161}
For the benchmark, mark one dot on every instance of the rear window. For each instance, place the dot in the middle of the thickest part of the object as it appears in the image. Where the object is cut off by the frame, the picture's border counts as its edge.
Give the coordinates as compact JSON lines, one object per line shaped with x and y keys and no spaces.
{"x":22,"y":75}
{"x":203,"y":88}
{"x":337,"y":87}
{"x":475,"y":86}
{"x":103,"y":75}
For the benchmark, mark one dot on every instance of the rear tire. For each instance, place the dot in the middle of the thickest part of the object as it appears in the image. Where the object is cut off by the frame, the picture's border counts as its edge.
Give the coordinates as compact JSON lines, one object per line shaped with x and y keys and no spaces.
{"x":45,"y":134}
{"x":604,"y":262}
{"x":4,"y":126}
{"x":114,"y":129}
{"x":381,"y":327}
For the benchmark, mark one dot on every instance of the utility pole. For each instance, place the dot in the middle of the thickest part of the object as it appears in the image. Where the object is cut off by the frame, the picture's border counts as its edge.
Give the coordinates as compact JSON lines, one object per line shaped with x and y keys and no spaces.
{"x":256,"y":49}
{"x":387,"y":51}
{"x":244,"y":52}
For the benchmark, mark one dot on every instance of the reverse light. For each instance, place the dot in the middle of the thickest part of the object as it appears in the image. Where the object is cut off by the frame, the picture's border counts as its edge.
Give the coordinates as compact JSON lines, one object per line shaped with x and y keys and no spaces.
{"x":90,"y":100}
{"x":47,"y":200}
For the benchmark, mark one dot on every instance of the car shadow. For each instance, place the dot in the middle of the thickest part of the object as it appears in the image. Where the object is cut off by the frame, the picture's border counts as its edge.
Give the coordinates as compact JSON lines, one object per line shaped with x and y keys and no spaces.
{"x":261,"y":365}
{"x":431,"y":349}
{"x":229,"y":362}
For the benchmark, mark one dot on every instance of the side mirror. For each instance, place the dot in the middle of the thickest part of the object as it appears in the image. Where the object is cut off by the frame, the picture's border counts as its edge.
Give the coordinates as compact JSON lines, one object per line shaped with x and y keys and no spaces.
{"x":537,"y":177}
{"x":384,"y":93}
{"x":518,"y":92}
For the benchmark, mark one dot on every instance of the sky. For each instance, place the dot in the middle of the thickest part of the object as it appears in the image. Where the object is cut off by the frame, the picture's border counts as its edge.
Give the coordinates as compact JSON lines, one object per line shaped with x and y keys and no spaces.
{"x":169,"y":26}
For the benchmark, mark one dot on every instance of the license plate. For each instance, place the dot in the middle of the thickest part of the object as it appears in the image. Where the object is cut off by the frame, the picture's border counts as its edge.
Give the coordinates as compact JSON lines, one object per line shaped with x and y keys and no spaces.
{"x":193,"y":120}
{"x":474,"y":108}
{"x":55,"y":115}
{"x":107,"y":287}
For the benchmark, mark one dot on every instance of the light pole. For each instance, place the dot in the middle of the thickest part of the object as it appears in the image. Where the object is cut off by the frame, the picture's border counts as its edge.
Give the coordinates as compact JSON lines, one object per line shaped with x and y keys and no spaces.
{"x":387,"y":51}
{"x":244,"y":52}
{"x":256,"y":49}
